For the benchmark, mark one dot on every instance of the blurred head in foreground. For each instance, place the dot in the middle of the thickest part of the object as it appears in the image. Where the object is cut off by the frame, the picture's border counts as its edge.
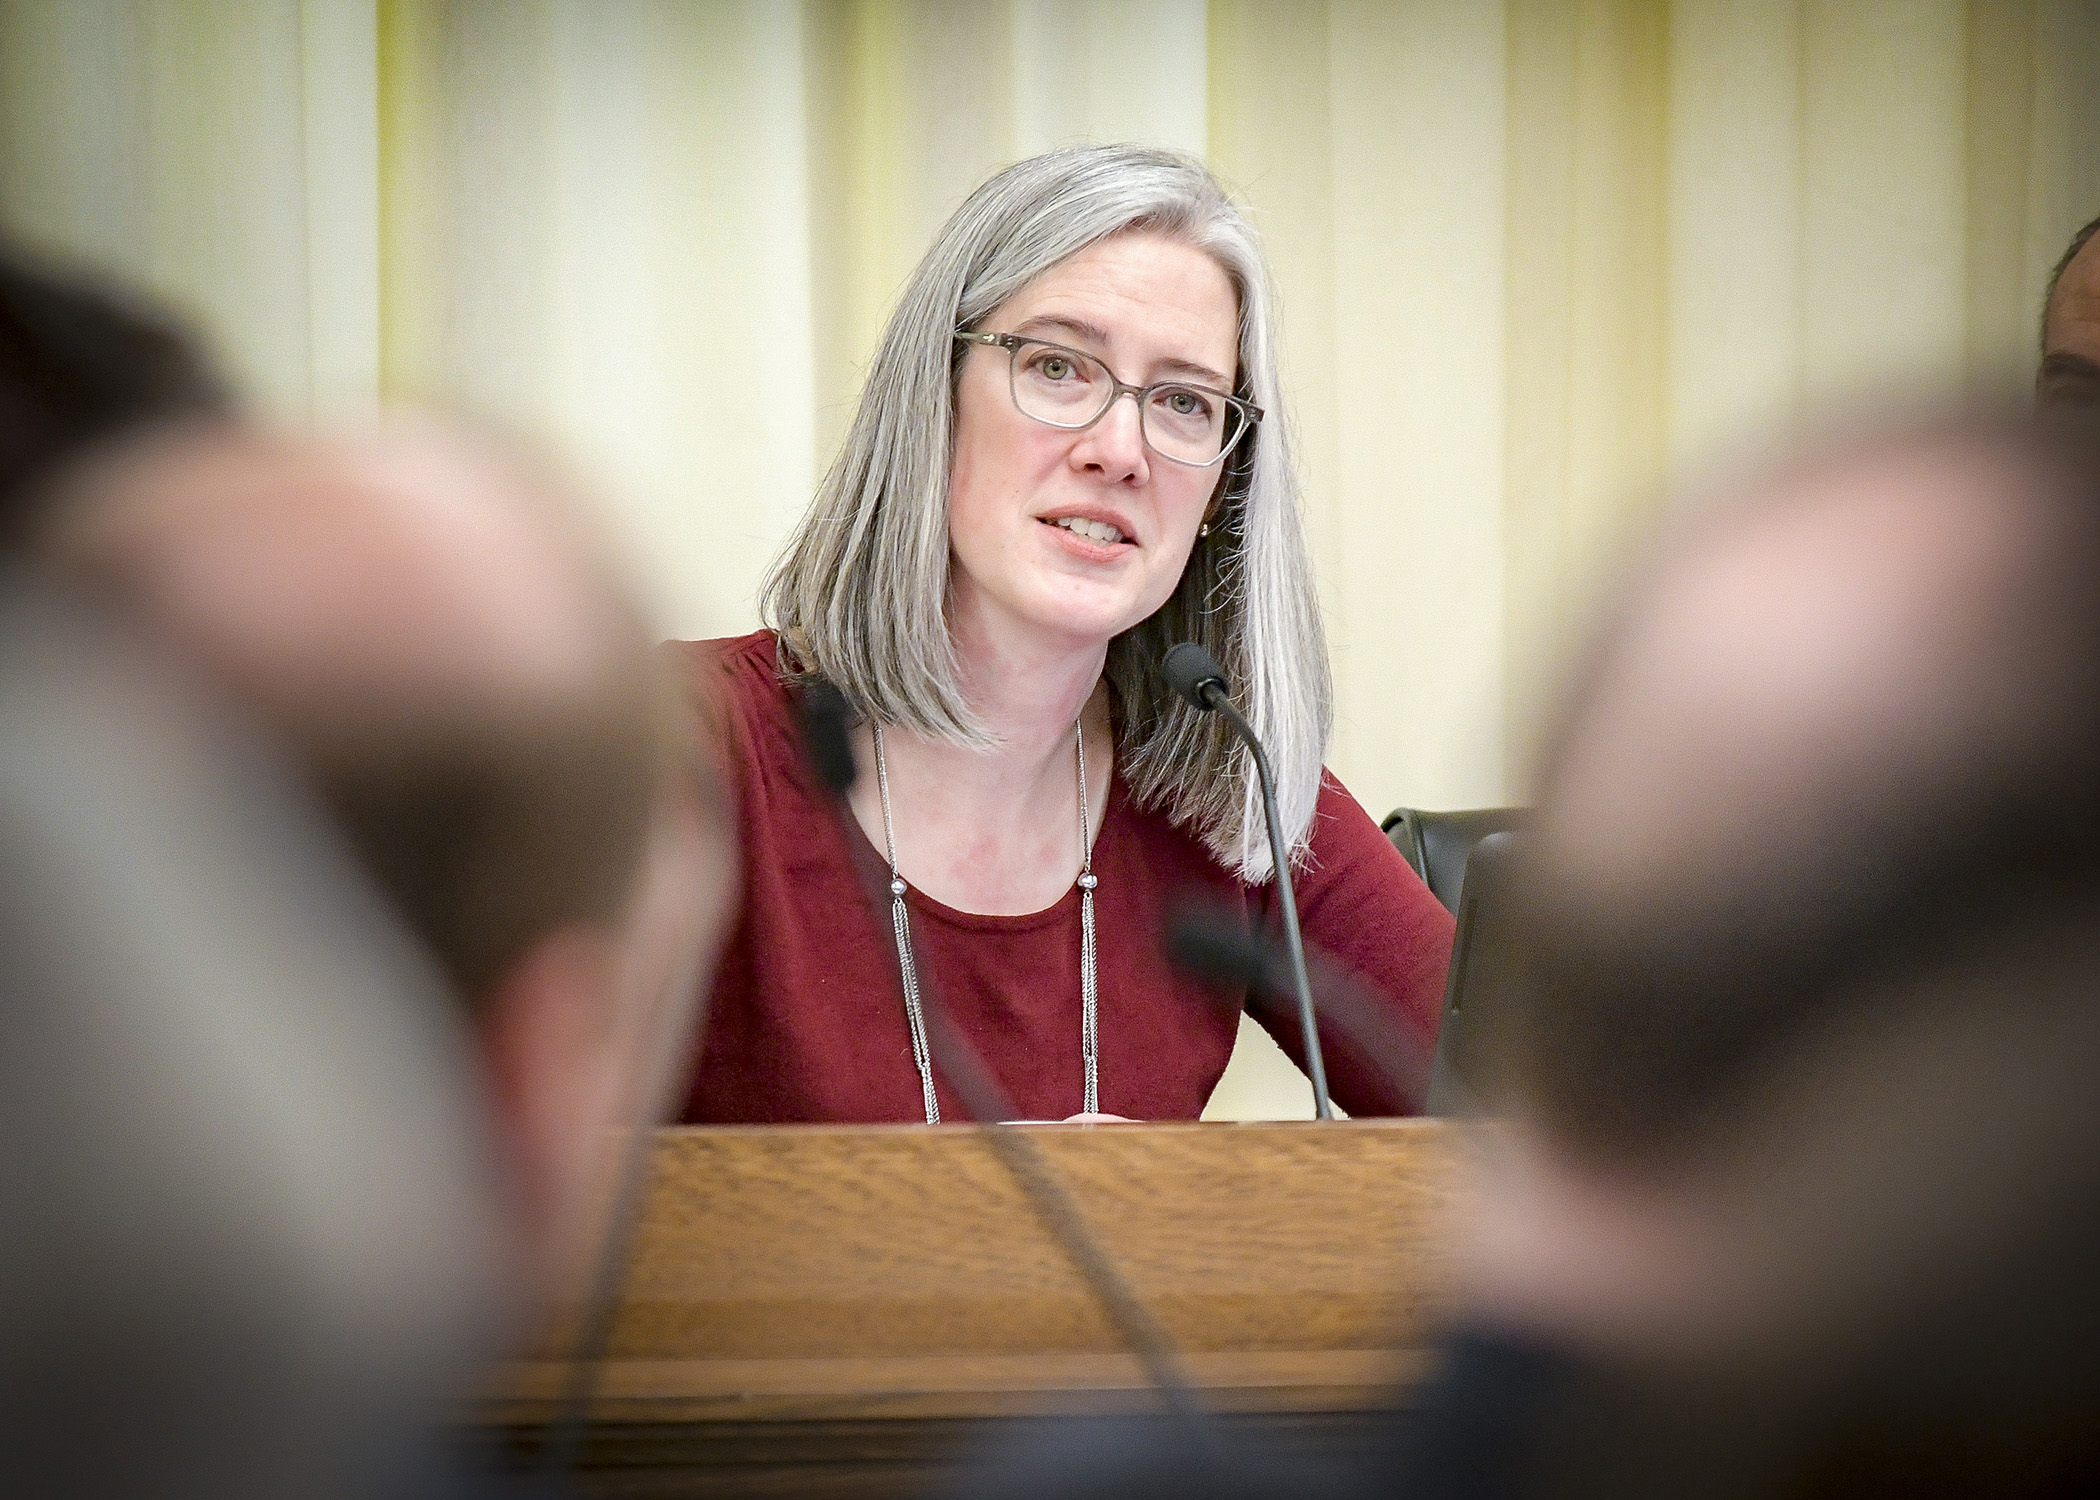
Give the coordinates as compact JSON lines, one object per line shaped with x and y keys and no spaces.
{"x":80,"y":366}
{"x":419,"y":622}
{"x":2070,"y":372}
{"x":1805,"y":1168}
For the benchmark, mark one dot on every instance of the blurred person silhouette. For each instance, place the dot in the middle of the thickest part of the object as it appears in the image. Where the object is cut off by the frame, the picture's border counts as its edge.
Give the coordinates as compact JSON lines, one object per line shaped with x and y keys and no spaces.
{"x":221,"y":1063}
{"x":1797,"y":1178}
{"x":435,"y":689}
{"x":1801,"y":1177}
{"x":418,"y":620}
{"x":82,"y":365}
{"x":2070,"y":372}
{"x":222,"y":1068}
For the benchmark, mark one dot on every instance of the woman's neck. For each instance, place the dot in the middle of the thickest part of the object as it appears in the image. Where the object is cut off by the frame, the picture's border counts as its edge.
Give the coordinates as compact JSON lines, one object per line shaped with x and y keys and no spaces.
{"x":1026,"y":690}
{"x":996,"y":831}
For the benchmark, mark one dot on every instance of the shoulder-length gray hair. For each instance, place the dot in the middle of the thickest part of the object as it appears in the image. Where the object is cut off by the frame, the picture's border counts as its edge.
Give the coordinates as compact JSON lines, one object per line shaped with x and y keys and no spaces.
{"x":859,"y":594}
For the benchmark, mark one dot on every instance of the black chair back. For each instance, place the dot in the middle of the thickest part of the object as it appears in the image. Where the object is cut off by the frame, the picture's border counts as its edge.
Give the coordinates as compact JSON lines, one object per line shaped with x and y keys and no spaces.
{"x":1438,"y":844}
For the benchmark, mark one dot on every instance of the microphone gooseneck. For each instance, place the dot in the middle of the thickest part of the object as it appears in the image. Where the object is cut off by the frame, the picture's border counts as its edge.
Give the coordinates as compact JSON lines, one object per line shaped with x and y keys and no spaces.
{"x":1195,"y":675}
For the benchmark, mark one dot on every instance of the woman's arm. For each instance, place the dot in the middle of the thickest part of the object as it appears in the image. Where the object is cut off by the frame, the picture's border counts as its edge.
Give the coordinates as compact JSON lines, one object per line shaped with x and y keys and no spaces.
{"x":1378,"y":945}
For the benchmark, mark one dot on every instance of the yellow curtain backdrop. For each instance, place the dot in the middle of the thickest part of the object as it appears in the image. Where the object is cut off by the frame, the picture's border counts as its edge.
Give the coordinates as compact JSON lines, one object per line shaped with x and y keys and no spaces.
{"x":1533,"y":255}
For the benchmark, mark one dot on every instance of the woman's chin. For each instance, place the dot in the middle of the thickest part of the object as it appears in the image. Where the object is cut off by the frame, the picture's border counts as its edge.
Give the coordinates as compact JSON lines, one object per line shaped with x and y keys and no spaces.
{"x":1053,"y":611}
{"x":1086,"y":628}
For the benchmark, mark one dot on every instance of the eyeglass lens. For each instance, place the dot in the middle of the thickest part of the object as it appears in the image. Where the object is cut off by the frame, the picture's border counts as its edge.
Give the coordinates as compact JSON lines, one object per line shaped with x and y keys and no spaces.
{"x":1068,"y":389}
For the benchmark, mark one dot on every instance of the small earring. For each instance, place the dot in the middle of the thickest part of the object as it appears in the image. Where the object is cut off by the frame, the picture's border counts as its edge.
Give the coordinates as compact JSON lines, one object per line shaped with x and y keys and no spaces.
{"x":1203,"y":530}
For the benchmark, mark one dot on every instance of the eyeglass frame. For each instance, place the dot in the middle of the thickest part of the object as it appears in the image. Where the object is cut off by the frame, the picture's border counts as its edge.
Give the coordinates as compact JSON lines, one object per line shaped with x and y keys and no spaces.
{"x":1012,"y":342}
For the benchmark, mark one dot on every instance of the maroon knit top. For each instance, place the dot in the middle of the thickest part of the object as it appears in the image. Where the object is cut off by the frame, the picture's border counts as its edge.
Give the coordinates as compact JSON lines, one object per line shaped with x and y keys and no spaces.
{"x":806,"y":1021}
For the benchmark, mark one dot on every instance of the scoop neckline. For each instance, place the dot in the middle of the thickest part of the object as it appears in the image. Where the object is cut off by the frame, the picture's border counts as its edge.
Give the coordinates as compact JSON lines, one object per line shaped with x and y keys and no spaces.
{"x":954,"y":916}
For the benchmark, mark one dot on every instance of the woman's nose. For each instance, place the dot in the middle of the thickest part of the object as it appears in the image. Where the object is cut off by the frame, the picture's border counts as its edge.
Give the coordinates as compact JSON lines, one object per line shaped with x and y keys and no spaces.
{"x":1115,"y":445}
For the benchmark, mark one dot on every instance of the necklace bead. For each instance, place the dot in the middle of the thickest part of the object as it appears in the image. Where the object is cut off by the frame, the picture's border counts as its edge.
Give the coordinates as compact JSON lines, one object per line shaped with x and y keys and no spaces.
{"x":896,"y":887}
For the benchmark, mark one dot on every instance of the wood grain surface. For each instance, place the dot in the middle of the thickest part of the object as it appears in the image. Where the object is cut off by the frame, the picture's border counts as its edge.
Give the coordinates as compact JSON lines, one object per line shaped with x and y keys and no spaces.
{"x":814,"y":1274}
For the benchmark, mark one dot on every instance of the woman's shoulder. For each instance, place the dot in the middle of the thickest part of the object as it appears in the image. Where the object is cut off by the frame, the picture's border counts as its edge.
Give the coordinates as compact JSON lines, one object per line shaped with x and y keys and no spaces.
{"x":1343,"y":829}
{"x":739,"y":658}
{"x":1341,"y":839}
{"x":1356,"y":874}
{"x":737,"y":679}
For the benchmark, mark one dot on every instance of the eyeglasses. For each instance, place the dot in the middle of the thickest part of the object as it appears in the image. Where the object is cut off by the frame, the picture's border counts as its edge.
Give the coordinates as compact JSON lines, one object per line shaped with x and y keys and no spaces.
{"x":1060,"y":387}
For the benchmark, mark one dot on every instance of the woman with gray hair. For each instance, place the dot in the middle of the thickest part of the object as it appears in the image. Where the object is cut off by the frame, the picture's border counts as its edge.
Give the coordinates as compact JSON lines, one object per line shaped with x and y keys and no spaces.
{"x":989,"y":575}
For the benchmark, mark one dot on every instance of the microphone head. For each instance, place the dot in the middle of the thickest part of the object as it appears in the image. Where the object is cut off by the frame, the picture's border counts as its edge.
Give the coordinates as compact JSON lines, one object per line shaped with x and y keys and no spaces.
{"x":1192,"y":672}
{"x":826,"y":734}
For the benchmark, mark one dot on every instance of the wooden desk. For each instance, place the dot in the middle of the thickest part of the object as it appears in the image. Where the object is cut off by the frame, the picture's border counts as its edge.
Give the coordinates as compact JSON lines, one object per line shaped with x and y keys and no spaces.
{"x":844,"y":1304}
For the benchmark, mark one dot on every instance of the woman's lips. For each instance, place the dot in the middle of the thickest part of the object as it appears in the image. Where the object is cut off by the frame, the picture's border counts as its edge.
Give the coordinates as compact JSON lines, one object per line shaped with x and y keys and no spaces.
{"x":1102,"y":535}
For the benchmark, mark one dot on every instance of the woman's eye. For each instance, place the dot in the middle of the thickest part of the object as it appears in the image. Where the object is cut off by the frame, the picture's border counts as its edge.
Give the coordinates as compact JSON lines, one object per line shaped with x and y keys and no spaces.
{"x":1187,"y":404}
{"x":1056,"y":369}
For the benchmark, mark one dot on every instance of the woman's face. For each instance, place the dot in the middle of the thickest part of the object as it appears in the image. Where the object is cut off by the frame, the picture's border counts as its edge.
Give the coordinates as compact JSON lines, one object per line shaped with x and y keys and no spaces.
{"x":1151,"y":309}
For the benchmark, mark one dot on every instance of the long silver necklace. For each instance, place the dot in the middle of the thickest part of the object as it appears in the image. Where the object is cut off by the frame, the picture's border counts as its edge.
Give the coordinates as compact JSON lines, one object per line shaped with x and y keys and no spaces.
{"x":900,"y":920}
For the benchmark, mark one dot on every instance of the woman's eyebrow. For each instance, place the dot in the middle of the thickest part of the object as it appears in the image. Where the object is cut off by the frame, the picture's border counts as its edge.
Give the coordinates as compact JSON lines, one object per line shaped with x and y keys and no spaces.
{"x":1075,"y":328}
{"x":1196,"y":372}
{"x":1091,"y":333}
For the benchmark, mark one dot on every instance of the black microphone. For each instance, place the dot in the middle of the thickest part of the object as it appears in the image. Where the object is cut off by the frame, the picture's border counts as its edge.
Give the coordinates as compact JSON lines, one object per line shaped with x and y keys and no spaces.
{"x":1195,"y":674}
{"x":1191,"y":672}
{"x":827,"y":734}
